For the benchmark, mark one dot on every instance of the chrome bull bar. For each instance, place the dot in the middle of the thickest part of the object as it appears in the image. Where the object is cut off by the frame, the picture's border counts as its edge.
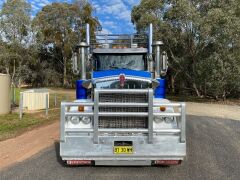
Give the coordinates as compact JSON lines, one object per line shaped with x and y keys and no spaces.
{"x":181,"y":115}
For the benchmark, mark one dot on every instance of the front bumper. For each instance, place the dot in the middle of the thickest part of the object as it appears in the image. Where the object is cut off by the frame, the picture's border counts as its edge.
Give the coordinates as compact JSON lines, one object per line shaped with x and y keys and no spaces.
{"x":167,"y":147}
{"x":97,"y":144}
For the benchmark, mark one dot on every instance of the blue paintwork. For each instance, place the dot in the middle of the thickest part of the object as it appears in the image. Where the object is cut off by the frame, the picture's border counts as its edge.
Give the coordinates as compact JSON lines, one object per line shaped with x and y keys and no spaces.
{"x":160,"y":91}
{"x":81,"y":92}
{"x":116,"y":72}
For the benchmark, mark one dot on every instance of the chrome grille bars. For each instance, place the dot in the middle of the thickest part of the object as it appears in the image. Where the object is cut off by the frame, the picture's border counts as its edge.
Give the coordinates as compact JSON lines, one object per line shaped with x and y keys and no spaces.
{"x":181,"y":116}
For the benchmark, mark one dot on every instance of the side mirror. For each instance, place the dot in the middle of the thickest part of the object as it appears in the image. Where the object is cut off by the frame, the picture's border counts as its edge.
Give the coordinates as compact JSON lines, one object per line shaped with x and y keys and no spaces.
{"x":75,"y":66}
{"x":164,"y":64}
{"x":150,"y":64}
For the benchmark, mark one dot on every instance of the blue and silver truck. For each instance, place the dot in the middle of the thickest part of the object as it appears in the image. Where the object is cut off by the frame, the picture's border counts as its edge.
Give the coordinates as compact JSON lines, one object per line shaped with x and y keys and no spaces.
{"x":121,"y":116}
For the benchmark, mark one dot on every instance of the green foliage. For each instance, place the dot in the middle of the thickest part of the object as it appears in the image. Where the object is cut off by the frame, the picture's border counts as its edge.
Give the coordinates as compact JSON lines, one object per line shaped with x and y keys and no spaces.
{"x":14,"y":28}
{"x":37,"y":52}
{"x":15,"y":21}
{"x":202,"y":40}
{"x":59,"y":27}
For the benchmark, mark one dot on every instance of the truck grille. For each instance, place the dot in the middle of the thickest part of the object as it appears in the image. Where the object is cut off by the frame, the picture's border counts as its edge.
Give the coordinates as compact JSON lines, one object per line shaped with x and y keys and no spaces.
{"x":134,"y":98}
{"x":123,"y":109}
{"x":125,"y":121}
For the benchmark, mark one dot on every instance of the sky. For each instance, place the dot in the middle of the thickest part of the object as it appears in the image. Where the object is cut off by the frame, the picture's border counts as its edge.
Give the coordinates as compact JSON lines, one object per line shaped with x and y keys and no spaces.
{"x":114,"y":15}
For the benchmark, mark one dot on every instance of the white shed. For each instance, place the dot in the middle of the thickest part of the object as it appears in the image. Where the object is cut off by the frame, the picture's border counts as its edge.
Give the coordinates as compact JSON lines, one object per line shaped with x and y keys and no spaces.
{"x":35,"y":99}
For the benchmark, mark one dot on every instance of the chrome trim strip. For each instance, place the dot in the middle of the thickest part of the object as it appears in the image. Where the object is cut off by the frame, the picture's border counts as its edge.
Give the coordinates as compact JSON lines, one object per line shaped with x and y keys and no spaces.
{"x":62,"y":123}
{"x":125,"y":91}
{"x":78,"y":103}
{"x":108,"y":104}
{"x":135,"y":114}
{"x":96,"y":114}
{"x":150,"y":116}
{"x":167,"y":114}
{"x":183,"y":123}
{"x":79,"y":114}
{"x":133,"y":158}
{"x":113,"y":130}
{"x":112,"y":78}
{"x":120,"y":51}
{"x":80,"y":130}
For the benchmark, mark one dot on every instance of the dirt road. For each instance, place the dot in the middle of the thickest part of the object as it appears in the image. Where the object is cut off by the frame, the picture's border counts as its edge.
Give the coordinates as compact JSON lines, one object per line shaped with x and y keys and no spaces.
{"x":28,"y":144}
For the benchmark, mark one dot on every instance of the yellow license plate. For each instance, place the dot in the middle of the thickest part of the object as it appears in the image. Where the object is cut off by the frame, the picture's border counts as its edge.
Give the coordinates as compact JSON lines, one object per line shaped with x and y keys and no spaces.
{"x":123,"y":149}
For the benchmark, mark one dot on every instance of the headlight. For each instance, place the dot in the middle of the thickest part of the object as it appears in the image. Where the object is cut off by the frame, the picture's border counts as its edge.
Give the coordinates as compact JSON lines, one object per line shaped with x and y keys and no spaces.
{"x":86,"y":120}
{"x":75,"y":120}
{"x":168,"y":120}
{"x":158,"y":120}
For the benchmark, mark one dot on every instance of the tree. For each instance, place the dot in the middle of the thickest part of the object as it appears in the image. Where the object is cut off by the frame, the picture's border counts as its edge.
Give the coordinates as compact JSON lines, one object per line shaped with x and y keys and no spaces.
{"x":58,"y":26}
{"x":14,"y":27}
{"x":202,"y":40}
{"x":15,"y":21}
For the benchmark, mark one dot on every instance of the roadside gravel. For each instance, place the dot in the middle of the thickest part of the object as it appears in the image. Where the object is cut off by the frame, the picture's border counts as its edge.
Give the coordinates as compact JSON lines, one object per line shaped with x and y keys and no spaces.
{"x":213,"y":110}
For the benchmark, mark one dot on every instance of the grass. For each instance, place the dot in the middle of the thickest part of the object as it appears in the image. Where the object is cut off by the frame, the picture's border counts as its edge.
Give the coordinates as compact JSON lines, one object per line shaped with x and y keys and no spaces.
{"x":11,"y":126}
{"x":17,"y":94}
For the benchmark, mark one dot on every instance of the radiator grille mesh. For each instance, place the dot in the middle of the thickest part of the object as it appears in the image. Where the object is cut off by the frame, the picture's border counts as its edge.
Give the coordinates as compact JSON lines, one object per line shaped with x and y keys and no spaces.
{"x":123,"y":109}
{"x":125,"y":121}
{"x":137,"y":98}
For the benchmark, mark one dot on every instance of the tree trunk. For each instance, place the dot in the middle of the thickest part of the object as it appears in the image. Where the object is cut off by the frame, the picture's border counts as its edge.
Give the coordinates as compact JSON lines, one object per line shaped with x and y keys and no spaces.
{"x":196,"y":90}
{"x":64,"y":71}
{"x":7,"y":70}
{"x":205,"y":87}
{"x":224,"y":95}
{"x":172,"y":84}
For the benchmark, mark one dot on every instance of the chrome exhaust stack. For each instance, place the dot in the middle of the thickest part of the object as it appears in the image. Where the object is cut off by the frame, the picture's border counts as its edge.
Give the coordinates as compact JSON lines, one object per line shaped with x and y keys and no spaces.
{"x":150,"y":51}
{"x":83,"y":48}
{"x":158,"y":63}
{"x":80,"y":56}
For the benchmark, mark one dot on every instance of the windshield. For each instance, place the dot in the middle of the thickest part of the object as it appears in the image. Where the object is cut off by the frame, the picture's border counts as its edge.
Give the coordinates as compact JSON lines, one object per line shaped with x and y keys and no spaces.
{"x":119,"y":61}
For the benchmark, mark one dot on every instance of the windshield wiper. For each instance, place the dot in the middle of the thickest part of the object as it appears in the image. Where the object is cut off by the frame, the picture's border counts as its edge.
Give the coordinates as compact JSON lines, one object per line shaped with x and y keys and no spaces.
{"x":114,"y":67}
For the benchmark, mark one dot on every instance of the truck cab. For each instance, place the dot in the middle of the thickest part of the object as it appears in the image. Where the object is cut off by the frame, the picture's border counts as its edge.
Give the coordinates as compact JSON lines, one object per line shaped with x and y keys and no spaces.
{"x":121,"y":116}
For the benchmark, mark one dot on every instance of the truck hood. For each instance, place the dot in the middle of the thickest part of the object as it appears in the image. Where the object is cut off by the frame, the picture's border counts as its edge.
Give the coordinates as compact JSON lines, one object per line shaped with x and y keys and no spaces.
{"x":110,"y":79}
{"x":144,"y":75}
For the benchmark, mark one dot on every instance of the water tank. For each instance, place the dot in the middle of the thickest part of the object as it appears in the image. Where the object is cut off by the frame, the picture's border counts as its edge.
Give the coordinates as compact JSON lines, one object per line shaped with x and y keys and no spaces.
{"x":5,"y":99}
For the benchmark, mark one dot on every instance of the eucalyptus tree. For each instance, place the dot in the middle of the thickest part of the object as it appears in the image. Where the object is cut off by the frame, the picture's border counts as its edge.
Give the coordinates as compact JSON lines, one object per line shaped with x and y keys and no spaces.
{"x":59,"y":25}
{"x":15,"y":21}
{"x":15,"y":25}
{"x":202,"y":39}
